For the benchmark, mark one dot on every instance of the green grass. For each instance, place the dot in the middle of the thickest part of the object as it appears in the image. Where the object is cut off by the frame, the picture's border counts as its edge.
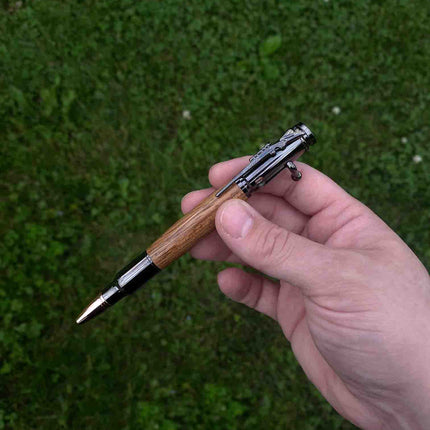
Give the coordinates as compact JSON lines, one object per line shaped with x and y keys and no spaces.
{"x":95,"y":156}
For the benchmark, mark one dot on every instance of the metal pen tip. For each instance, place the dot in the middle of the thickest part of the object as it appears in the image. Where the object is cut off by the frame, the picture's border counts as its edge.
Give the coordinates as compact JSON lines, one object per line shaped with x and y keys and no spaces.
{"x":95,"y":308}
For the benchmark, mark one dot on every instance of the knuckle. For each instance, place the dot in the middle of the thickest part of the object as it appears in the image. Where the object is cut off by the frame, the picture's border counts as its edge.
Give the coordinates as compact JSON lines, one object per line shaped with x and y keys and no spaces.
{"x":211,"y":171}
{"x":253,"y":295}
{"x":274,"y":243}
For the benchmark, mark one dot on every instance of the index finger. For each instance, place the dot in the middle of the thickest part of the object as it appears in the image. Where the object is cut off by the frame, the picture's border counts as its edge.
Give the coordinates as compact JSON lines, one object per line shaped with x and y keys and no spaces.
{"x":313,"y":193}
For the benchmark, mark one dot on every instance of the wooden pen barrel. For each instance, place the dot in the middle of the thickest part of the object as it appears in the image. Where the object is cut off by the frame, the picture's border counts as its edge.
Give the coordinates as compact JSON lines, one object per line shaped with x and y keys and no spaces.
{"x":192,"y":227}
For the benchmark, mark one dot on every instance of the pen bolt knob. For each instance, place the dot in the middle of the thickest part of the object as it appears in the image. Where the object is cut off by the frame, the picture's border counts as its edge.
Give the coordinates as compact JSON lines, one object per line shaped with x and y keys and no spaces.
{"x":309,"y":138}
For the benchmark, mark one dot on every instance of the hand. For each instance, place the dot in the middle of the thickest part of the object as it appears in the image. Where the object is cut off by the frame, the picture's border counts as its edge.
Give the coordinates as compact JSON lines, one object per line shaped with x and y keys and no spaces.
{"x":353,"y":299}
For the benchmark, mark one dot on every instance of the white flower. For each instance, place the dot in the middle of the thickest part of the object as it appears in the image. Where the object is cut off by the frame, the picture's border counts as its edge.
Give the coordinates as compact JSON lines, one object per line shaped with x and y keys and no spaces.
{"x":404,"y":140}
{"x":186,"y":114}
{"x":336,"y":110}
{"x":417,"y":159}
{"x":325,"y":1}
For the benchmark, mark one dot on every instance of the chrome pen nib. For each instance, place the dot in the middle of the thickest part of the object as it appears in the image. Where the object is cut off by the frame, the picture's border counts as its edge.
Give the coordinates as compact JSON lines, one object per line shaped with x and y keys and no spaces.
{"x":95,"y":308}
{"x":127,"y":280}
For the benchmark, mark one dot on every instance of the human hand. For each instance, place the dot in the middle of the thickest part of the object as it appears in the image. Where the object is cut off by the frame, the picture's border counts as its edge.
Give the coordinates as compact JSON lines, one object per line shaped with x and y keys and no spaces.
{"x":353,"y":299}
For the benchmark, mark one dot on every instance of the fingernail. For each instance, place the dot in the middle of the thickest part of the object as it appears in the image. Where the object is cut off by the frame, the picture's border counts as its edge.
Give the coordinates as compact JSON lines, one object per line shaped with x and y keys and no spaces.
{"x":235,"y":219}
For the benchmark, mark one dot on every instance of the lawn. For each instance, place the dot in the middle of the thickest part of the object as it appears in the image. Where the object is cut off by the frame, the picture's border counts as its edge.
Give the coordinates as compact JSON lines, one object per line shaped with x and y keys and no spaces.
{"x":96,"y":153}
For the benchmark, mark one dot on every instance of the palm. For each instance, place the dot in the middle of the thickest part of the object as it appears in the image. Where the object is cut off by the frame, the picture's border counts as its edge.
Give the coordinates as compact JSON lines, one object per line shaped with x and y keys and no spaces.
{"x":322,"y":329}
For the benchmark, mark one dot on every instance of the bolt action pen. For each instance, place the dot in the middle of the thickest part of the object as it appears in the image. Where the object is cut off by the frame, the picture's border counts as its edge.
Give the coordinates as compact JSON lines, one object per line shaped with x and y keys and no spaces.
{"x":185,"y":233}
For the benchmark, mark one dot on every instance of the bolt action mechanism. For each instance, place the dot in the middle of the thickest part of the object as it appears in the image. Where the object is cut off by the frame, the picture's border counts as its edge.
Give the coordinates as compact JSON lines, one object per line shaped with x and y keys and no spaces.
{"x":272,"y":158}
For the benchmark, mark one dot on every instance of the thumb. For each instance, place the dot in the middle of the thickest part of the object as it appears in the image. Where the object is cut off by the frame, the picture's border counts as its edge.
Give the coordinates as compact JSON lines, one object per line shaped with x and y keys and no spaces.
{"x":275,"y":251}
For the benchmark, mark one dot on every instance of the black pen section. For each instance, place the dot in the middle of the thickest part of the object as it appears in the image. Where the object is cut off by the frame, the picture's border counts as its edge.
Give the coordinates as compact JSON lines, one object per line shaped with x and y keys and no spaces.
{"x":126,"y":282}
{"x":131,"y":278}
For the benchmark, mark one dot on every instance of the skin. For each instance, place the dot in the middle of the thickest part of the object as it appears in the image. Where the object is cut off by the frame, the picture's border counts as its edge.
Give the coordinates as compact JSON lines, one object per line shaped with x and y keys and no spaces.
{"x":353,"y":300}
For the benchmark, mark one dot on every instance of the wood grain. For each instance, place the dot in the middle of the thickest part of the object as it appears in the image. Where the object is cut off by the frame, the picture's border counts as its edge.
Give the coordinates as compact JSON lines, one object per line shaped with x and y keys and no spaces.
{"x":192,"y":227}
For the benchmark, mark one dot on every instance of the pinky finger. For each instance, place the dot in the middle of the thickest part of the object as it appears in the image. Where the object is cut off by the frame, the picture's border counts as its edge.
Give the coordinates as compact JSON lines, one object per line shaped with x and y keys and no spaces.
{"x":252,"y":290}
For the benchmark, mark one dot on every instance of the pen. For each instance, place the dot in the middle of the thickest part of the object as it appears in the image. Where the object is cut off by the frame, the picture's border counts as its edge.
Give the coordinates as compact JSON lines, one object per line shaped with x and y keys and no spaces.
{"x":186,"y":232}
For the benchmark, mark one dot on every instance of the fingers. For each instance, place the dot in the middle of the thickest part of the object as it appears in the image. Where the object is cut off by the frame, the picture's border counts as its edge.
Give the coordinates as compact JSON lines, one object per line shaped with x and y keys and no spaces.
{"x":314,"y":192}
{"x":221,"y":173}
{"x":253,"y":290}
{"x":279,"y":212}
{"x":282,"y":302}
{"x":273,"y":208}
{"x":191,"y":200}
{"x":273,"y":250}
{"x":213,"y":248}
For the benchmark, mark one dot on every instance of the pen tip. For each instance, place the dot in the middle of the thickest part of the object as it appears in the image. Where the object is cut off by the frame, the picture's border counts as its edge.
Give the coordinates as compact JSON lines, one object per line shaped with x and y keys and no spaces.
{"x":95,"y":308}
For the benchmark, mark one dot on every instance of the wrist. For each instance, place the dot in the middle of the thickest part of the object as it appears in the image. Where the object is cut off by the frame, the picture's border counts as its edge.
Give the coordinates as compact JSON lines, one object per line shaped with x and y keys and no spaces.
{"x":414,"y":414}
{"x":406,"y":419}
{"x":409,"y":409}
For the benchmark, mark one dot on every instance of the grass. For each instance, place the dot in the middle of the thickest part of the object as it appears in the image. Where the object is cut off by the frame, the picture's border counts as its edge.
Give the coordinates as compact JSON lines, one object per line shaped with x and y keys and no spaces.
{"x":95,"y":156}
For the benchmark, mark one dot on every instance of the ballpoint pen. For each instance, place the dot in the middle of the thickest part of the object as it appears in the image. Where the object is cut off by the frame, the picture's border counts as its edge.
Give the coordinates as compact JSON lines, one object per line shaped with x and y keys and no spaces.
{"x":271,"y":159}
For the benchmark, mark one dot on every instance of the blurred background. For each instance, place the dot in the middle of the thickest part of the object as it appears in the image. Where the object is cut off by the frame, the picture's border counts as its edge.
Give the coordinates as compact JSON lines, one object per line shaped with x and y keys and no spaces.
{"x":110,"y":111}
